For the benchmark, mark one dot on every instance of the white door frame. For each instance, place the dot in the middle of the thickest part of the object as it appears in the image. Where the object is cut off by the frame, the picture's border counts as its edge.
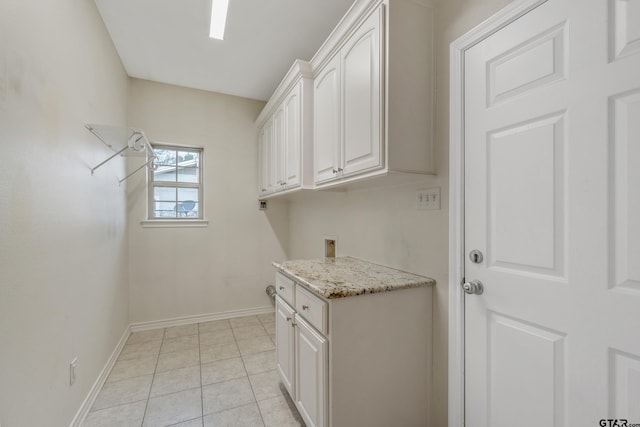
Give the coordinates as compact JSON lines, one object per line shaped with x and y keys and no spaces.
{"x":457,"y":51}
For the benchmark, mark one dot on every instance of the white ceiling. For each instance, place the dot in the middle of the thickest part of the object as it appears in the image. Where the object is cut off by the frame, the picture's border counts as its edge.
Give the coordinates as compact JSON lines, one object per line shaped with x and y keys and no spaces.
{"x":168,"y":40}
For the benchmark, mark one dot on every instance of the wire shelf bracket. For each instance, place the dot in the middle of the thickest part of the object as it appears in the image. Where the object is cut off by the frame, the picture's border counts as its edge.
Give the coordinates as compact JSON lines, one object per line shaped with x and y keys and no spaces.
{"x":123,"y":142}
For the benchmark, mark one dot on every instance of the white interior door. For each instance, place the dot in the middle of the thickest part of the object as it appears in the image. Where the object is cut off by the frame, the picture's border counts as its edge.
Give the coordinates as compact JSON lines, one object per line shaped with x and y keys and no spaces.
{"x":552,"y":200}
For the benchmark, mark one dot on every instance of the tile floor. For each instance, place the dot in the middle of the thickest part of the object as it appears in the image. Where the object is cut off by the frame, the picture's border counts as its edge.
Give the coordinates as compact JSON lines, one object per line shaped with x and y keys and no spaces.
{"x":219,"y":373}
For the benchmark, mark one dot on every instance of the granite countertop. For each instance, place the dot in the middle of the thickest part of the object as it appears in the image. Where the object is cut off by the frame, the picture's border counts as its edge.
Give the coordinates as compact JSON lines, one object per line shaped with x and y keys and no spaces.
{"x":344,"y":277}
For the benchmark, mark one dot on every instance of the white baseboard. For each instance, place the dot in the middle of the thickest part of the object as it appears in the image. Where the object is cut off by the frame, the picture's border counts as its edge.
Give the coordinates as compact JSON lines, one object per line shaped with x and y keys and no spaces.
{"x":97,"y":386}
{"x":187,"y":320}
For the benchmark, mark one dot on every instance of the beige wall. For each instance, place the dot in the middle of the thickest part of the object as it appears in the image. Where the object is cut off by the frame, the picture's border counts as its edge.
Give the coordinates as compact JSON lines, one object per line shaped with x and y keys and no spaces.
{"x":382,"y":225}
{"x":177,"y":272}
{"x":63,"y":235}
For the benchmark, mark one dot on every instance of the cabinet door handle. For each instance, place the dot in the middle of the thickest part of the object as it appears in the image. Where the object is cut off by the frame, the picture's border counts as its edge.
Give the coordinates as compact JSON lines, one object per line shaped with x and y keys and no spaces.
{"x":282,"y":288}
{"x":305,"y":307}
{"x":293,"y":324}
{"x":264,"y":189}
{"x":340,"y":169}
{"x":288,"y":319}
{"x":335,"y":171}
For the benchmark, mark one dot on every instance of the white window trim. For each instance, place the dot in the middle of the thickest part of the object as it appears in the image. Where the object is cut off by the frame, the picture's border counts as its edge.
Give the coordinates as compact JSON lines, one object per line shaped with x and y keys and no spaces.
{"x":202,"y":221}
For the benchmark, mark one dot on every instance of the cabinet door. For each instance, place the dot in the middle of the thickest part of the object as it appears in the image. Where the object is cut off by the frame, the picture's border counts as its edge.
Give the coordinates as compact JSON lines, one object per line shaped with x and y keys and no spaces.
{"x":279,"y":147}
{"x":292,"y":137}
{"x":285,"y":335}
{"x":326,"y":96}
{"x":265,"y":159}
{"x":362,"y":97}
{"x":311,"y":374}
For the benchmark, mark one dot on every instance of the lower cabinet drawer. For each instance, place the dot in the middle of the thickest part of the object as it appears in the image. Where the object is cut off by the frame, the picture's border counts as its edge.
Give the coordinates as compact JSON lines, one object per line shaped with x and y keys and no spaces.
{"x":312,"y":309}
{"x":285,"y":288}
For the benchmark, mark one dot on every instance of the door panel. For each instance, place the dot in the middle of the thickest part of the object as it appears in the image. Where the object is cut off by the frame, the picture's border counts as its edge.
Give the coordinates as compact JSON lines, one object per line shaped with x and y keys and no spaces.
{"x":552,"y":148}
{"x":311,"y":371}
{"x":293,"y":139}
{"x":540,"y":386}
{"x":285,"y":345}
{"x":279,"y":147}
{"x":326,"y":98}
{"x":362,"y":104}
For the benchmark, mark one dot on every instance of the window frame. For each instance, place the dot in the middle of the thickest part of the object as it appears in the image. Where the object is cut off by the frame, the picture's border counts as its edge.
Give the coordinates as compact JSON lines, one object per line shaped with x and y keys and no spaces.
{"x":152,"y":220}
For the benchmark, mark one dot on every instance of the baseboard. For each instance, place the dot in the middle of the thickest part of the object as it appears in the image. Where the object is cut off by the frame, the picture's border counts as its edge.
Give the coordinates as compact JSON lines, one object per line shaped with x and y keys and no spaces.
{"x":97,"y":386}
{"x":179,"y":321}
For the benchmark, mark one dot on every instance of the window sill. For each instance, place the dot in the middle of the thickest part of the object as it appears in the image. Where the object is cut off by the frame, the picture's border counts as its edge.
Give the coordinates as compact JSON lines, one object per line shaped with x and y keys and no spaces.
{"x":174,"y":223}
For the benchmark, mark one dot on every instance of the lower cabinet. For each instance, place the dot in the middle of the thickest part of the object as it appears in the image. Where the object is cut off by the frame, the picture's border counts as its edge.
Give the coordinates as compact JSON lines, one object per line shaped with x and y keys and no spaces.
{"x":356,"y":361}
{"x":302,"y":363}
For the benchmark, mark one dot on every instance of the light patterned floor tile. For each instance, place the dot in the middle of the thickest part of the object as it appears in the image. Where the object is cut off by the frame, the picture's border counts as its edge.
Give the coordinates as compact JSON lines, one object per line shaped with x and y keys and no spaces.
{"x":130,"y":368}
{"x":191,"y":423}
{"x":241,"y":322}
{"x":255,"y":345}
{"x":127,"y":415}
{"x":183,"y":330}
{"x":173,"y":408}
{"x":267,"y":317}
{"x":222,"y":370}
{"x":211,"y":353}
{"x":226,"y":395}
{"x":243,"y":416}
{"x":178,"y":359}
{"x":216,"y":337}
{"x":146,"y":336}
{"x":123,"y":391}
{"x":266,"y":385}
{"x":270,"y":328}
{"x":249,"y":332}
{"x":183,"y":343}
{"x":215,"y":325}
{"x":145,"y":349}
{"x":260,"y":362}
{"x":277,"y":412}
{"x":176,"y":380}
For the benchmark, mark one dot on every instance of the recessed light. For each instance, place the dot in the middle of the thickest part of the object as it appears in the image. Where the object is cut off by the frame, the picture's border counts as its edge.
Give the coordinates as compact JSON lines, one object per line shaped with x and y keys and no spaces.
{"x":218,"y":18}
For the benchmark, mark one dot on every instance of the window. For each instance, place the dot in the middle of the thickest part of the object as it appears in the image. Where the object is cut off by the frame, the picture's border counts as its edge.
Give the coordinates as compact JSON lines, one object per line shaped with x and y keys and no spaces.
{"x":175,"y":184}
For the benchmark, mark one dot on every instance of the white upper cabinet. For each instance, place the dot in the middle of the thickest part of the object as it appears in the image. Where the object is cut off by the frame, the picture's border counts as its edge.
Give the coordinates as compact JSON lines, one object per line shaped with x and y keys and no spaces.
{"x":362,"y":107}
{"x":380,"y":54}
{"x":286,"y":157}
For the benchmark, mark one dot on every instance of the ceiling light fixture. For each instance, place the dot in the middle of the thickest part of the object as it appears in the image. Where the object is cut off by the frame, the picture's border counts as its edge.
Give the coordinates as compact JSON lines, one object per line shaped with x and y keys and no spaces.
{"x":218,"y":18}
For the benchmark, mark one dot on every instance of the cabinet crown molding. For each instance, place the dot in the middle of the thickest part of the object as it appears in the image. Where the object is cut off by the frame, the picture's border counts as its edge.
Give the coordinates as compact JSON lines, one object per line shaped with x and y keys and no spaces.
{"x":300,"y":69}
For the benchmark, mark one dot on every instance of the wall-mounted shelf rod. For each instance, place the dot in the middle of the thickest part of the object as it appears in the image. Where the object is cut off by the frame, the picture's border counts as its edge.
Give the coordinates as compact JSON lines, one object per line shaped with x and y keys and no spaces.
{"x":102,"y":163}
{"x":149,"y":162}
{"x":123,"y":142}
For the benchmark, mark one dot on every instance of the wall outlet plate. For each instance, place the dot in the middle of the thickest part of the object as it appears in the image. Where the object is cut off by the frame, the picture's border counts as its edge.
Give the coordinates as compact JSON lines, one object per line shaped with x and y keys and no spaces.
{"x":72,"y":370}
{"x":330,"y":246}
{"x":262,"y":205}
{"x":428,"y":199}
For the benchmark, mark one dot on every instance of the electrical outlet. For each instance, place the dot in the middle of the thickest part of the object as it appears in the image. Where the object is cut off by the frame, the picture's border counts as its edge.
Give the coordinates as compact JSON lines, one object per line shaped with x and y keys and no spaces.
{"x":428,"y":199}
{"x":72,"y":370}
{"x":330,"y":246}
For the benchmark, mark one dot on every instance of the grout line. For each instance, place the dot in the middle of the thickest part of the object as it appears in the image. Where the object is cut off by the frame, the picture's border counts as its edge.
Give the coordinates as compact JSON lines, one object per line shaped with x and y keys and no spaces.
{"x":201,"y":388}
{"x":255,"y":398}
{"x":153,"y":379}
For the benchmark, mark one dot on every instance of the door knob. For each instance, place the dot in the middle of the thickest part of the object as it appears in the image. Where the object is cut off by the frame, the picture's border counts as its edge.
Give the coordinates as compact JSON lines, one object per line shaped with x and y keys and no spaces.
{"x":473,"y":288}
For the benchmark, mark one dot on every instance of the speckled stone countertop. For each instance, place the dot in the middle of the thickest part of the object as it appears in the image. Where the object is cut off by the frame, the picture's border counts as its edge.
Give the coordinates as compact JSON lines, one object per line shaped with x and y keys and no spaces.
{"x":344,"y":277}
